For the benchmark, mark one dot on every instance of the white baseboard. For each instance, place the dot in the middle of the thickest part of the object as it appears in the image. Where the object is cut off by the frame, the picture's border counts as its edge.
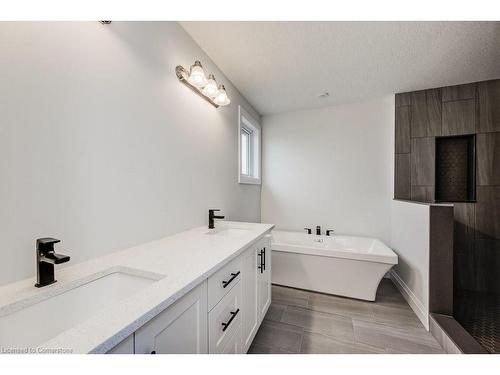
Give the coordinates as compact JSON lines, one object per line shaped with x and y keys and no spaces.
{"x":415,"y":304}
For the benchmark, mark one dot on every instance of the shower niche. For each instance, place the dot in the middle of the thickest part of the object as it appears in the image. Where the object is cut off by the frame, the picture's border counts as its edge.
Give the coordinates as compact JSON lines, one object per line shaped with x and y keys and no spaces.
{"x":455,"y":169}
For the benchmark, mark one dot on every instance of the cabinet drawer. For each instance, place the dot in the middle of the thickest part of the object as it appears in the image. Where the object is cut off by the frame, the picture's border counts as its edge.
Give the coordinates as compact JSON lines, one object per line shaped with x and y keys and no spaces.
{"x":225,"y":320}
{"x":234,"y":345}
{"x":221,"y":282}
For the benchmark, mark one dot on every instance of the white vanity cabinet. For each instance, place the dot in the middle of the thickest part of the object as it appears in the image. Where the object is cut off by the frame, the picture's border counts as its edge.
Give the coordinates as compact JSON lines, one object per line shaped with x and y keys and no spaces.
{"x":220,"y":315}
{"x":248,"y":278}
{"x":180,"y":329}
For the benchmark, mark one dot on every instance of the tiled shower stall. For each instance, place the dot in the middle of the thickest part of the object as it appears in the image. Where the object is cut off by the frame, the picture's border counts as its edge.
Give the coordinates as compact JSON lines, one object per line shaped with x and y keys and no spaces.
{"x":447,"y":149}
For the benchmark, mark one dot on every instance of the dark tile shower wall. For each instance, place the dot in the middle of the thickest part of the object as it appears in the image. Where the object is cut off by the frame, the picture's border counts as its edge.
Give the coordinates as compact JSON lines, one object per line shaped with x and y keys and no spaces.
{"x":418,"y":121}
{"x":471,"y":109}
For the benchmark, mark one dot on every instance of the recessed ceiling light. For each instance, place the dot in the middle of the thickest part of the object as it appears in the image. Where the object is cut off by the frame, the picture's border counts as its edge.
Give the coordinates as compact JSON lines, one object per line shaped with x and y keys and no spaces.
{"x":324,"y":95}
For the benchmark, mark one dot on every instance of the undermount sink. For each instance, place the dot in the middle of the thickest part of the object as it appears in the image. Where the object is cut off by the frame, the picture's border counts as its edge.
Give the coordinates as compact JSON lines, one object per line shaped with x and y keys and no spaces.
{"x":228,"y":232}
{"x":43,"y":317}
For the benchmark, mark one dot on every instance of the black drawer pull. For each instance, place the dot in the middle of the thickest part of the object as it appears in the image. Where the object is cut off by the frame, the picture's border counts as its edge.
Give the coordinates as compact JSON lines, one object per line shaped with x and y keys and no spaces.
{"x":264,"y":258}
{"x":262,"y":255}
{"x":233,"y":315}
{"x":233,"y":276}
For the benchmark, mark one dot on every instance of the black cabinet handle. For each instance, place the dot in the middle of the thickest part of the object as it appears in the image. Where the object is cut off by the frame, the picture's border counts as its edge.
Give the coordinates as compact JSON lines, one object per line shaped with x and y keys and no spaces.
{"x":233,"y":315}
{"x":264,"y":258}
{"x":233,"y":276}
{"x":261,"y":266}
{"x":153,"y":352}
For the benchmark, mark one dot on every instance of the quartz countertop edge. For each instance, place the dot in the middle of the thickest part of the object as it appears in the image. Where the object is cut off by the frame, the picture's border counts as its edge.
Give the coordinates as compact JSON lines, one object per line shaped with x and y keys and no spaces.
{"x":183,"y":260}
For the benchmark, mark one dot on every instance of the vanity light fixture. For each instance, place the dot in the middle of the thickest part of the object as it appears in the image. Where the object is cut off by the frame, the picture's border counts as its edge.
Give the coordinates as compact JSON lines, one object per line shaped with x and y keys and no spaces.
{"x":205,"y":87}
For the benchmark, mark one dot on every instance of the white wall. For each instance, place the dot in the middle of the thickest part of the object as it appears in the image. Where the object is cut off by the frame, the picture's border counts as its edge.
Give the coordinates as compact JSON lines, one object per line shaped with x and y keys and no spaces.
{"x":331,"y":167}
{"x":102,"y":147}
{"x":410,"y":232}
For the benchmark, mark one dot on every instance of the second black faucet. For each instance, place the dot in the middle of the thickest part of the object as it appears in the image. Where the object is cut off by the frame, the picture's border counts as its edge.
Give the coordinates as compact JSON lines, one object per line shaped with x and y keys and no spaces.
{"x":318,"y":231}
{"x":211,"y":217}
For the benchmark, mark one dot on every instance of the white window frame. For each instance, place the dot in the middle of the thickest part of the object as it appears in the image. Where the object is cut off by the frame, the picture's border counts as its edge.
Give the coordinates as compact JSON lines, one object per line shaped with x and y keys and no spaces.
{"x":250,"y":126}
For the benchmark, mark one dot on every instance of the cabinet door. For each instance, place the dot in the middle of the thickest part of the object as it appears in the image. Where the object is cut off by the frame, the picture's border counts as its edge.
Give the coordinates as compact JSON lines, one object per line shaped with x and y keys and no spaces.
{"x":181,"y":328}
{"x":264,"y":277}
{"x":249,"y":280}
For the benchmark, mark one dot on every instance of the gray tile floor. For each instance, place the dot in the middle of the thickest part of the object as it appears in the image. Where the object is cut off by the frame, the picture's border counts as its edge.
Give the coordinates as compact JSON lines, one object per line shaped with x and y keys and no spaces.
{"x":299,"y":321}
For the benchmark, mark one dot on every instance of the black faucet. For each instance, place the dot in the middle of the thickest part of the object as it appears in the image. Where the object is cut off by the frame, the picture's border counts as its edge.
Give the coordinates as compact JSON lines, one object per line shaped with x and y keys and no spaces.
{"x":308,"y":230}
{"x":45,"y":260}
{"x":318,"y":230}
{"x":329,"y":231}
{"x":211,"y":218}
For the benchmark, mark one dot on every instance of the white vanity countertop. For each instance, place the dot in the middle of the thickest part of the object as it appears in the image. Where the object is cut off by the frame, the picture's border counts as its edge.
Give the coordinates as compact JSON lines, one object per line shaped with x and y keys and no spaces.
{"x":185,"y":259}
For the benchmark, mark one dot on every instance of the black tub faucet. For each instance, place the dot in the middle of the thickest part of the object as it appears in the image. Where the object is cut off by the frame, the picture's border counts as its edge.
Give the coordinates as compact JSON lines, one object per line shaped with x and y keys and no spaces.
{"x":46,"y":257}
{"x":211,"y":218}
{"x":318,"y":230}
{"x":308,"y":230}
{"x":329,"y":231}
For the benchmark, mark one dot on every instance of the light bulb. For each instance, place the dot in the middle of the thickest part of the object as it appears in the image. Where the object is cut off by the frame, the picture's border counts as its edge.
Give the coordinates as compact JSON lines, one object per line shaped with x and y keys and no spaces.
{"x":210,"y":88}
{"x":197,"y":75}
{"x":222,"y":98}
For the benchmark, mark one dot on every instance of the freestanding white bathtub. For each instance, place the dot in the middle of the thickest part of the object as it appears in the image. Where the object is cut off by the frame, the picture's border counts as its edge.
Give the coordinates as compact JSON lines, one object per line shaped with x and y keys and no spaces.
{"x":341,"y":265}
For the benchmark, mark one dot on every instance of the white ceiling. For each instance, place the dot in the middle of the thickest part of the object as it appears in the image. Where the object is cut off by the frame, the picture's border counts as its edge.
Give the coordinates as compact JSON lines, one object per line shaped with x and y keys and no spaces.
{"x":285,"y":66}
